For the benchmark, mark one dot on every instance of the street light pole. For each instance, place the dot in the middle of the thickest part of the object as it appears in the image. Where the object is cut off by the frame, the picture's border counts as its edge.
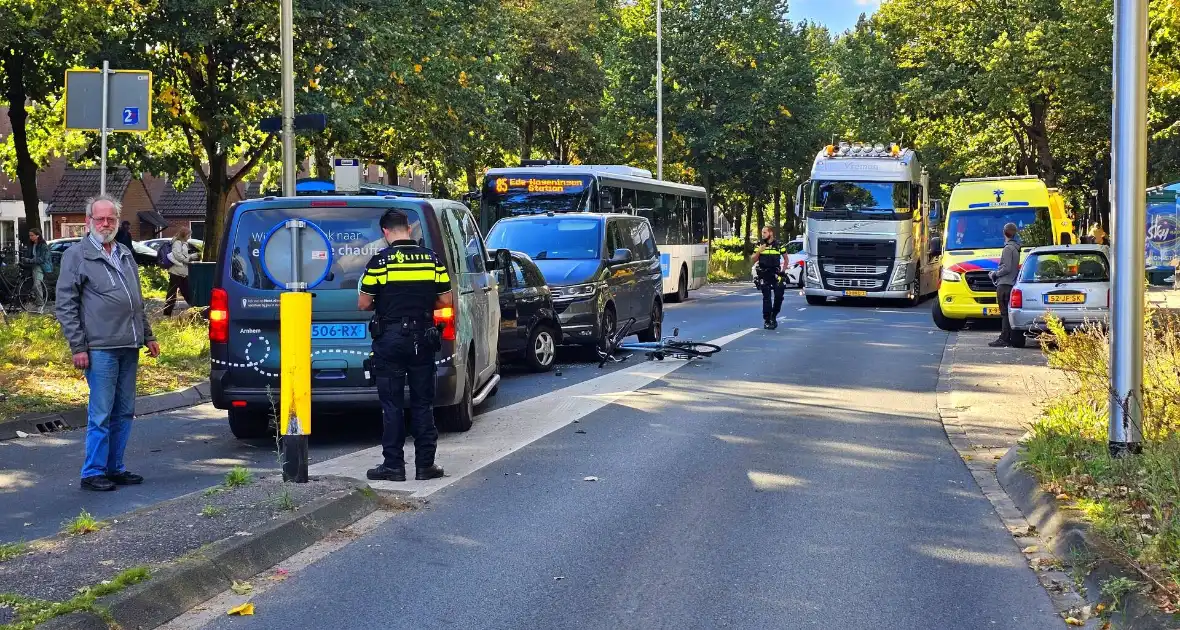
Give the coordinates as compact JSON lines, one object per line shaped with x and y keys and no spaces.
{"x":286,"y":18}
{"x":659,"y":91}
{"x":1125,"y":430}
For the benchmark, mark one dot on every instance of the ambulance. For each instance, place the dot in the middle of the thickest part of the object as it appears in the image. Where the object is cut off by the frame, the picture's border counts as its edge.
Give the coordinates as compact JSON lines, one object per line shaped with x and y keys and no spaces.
{"x":973,"y":238}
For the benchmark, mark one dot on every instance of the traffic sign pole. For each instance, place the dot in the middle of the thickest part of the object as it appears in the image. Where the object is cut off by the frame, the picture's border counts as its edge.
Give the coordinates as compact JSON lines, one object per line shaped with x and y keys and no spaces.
{"x":106,"y":102}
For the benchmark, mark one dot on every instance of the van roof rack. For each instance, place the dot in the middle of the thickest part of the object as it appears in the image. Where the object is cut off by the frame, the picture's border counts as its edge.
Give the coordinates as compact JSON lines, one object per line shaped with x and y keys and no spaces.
{"x":997,"y":179}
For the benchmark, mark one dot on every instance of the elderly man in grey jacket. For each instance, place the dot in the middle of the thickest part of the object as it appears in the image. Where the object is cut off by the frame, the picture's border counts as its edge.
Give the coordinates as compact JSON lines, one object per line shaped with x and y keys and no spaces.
{"x":100,"y":309}
{"x":1005,"y":278}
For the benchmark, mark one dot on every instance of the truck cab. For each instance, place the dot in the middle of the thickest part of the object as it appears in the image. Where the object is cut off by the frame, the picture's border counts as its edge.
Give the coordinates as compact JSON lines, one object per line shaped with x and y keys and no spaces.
{"x":973,"y":238}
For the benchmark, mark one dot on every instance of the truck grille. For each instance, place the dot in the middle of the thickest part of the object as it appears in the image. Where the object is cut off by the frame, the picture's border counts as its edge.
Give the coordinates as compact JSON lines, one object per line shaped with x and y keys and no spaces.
{"x":855,"y":283}
{"x":979,"y":282}
{"x":855,"y":270}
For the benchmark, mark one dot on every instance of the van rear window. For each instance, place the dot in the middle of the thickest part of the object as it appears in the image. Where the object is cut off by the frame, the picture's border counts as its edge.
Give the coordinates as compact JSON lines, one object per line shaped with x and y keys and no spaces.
{"x":355,"y":233}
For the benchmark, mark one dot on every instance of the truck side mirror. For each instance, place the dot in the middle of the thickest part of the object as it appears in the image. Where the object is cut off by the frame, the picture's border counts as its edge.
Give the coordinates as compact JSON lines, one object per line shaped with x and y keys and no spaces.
{"x":800,"y":202}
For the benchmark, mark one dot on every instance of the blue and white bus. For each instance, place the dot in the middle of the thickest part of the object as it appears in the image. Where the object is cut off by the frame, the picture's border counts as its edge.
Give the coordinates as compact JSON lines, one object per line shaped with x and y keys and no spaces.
{"x":679,"y":213}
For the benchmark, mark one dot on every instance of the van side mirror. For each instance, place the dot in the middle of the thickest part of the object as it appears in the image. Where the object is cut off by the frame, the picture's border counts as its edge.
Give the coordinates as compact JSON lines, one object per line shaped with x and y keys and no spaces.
{"x":501,"y":259}
{"x":621,"y":256}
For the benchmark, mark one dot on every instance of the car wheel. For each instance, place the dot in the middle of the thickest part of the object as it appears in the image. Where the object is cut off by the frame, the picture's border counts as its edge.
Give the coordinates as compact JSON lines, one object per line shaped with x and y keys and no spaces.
{"x":655,"y":331}
{"x":944,"y":322}
{"x":817,"y":300}
{"x":250,"y":424}
{"x":1017,"y":338}
{"x":459,"y":418}
{"x":541,"y":351}
{"x":608,"y":328}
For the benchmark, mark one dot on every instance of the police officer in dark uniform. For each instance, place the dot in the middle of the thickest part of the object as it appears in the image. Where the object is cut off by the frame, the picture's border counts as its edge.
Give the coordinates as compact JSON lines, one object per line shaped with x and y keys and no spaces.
{"x":405,"y":282}
{"x":770,"y":257}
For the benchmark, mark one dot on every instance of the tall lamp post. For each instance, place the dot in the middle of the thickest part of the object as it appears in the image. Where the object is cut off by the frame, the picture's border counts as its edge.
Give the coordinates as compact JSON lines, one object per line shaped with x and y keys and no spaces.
{"x":286,"y":28}
{"x":659,"y":91}
{"x":1125,"y":430}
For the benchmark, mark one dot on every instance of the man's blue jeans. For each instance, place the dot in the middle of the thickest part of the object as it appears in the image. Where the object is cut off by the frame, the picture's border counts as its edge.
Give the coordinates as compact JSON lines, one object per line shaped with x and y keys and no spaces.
{"x":111,"y":377}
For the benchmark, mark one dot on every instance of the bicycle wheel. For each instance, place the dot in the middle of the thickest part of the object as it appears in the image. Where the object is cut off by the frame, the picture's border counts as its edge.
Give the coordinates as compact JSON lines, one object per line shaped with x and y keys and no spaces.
{"x":691,"y":348}
{"x":32,"y":296}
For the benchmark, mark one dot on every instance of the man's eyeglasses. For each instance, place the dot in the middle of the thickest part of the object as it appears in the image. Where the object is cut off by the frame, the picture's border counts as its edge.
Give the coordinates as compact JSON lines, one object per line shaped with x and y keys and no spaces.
{"x":103,"y":220}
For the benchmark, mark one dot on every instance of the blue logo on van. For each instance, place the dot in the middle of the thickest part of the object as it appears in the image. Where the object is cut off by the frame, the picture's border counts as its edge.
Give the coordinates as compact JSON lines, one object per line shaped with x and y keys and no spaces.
{"x":665,"y":262}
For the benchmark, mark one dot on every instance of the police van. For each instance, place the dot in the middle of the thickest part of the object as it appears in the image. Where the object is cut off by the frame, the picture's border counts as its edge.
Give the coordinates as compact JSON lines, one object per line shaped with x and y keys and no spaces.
{"x":244,"y":309}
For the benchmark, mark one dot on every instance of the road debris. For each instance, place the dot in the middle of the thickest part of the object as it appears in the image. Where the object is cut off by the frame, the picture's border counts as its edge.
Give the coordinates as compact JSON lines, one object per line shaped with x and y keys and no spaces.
{"x":242,"y":610}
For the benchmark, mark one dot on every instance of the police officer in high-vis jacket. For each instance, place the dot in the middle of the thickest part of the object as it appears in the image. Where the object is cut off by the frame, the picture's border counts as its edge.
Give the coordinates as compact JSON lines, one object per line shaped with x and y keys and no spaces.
{"x":405,"y":282}
{"x":771,"y":259}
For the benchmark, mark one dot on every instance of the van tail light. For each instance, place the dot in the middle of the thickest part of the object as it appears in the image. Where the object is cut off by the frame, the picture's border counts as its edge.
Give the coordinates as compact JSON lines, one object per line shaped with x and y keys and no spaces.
{"x":219,"y":316}
{"x":446,"y":317}
{"x":1017,"y":300}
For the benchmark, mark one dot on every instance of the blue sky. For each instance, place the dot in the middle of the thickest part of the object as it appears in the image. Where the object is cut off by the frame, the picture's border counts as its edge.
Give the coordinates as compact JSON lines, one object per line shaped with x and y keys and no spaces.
{"x":837,"y":15}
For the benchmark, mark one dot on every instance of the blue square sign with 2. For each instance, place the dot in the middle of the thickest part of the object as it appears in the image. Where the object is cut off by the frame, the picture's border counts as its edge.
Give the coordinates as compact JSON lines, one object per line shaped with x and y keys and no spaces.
{"x":130,"y":115}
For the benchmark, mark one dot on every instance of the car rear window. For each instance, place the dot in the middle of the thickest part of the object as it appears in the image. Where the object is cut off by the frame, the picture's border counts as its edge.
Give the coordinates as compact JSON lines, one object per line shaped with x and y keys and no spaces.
{"x":355,"y":234}
{"x":1066,"y":267}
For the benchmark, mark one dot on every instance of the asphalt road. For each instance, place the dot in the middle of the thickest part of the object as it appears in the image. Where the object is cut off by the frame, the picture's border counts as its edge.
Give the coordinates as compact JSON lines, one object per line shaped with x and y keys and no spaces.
{"x":798,"y":479}
{"x":191,"y":449}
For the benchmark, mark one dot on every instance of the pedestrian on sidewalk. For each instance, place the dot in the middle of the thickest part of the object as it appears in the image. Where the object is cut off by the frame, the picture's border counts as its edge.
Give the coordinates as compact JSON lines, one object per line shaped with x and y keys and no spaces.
{"x":124,"y":236}
{"x":100,"y":309}
{"x":180,"y":257}
{"x":1005,"y":278}
{"x":39,"y":263}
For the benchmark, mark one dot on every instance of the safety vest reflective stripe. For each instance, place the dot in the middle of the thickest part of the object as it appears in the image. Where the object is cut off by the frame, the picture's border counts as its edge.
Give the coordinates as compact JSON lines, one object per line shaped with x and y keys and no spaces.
{"x":410,"y":275}
{"x":399,"y":266}
{"x":441,"y":275}
{"x":772,"y":252}
{"x":372,"y":279}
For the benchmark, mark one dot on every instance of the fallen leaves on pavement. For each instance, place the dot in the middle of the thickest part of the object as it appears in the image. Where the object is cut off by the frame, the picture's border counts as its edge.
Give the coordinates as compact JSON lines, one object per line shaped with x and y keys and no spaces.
{"x":241,"y":588}
{"x":242,"y":610}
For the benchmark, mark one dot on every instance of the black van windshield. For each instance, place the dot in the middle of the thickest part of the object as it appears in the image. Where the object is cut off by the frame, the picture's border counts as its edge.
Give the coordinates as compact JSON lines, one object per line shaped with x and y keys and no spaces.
{"x":355,"y":233}
{"x":549,"y":239}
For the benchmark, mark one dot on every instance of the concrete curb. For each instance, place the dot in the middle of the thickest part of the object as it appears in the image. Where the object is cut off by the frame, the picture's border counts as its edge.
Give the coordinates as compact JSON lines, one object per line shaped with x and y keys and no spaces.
{"x":1068,"y":536}
{"x":178,"y":588}
{"x":42,"y":423}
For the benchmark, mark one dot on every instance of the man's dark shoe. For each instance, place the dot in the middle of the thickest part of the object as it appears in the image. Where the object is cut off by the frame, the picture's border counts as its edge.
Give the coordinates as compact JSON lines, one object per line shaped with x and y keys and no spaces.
{"x":999,"y":343}
{"x":97,"y":483}
{"x":774,"y":323}
{"x":766,"y":323}
{"x":385,"y":473}
{"x":125,"y":479}
{"x":426,"y":474}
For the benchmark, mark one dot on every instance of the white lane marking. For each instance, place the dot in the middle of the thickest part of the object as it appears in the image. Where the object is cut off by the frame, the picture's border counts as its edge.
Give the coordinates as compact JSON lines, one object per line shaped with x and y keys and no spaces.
{"x":506,"y":430}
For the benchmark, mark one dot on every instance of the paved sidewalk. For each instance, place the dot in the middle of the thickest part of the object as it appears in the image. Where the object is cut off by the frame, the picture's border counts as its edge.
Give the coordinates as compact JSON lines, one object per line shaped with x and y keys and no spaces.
{"x":987,"y":398}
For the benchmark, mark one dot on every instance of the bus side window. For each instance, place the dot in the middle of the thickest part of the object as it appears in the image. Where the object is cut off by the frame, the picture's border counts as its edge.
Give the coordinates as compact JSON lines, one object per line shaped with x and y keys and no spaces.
{"x":700,"y":219}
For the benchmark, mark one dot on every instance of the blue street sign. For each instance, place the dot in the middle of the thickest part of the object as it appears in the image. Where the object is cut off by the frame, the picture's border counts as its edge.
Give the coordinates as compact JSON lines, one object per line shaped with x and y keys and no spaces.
{"x":130,"y":115}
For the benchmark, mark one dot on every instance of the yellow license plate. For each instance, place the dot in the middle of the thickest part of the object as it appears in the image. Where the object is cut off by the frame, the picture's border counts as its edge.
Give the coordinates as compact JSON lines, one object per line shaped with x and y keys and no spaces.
{"x":1075,"y":298}
{"x":991,"y":310}
{"x":856,"y":293}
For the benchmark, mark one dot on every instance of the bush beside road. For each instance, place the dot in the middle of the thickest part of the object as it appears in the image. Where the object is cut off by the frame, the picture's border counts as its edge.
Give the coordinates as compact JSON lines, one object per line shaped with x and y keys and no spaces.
{"x":36,"y":373}
{"x":1131,"y":503}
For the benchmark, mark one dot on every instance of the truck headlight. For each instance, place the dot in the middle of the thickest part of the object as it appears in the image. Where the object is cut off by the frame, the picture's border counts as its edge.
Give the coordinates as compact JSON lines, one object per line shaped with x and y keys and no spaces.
{"x":809,"y":268}
{"x":575,"y":292}
{"x":951,"y":276}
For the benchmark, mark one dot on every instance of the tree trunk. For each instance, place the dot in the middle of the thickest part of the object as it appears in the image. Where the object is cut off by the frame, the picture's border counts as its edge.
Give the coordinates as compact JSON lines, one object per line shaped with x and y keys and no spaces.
{"x":749,"y":219}
{"x":391,"y":166}
{"x":26,"y":169}
{"x":323,"y":165}
{"x":216,"y":196}
{"x":778,"y":212}
{"x":1038,"y":135}
{"x":760,"y":208}
{"x":526,"y":140}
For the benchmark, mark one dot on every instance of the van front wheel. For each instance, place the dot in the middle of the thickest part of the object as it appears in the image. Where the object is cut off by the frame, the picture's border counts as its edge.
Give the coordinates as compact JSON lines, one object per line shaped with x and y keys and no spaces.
{"x":944,"y":322}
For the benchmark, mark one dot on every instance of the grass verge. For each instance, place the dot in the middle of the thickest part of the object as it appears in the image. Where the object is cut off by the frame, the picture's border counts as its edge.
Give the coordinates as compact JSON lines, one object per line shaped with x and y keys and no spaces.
{"x":37,"y":374}
{"x":30,"y":612}
{"x":1132,"y":503}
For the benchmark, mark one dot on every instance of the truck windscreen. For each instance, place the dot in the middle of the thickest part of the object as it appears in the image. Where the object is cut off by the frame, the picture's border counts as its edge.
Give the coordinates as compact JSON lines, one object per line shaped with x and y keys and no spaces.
{"x":516,"y":195}
{"x":860,"y":200}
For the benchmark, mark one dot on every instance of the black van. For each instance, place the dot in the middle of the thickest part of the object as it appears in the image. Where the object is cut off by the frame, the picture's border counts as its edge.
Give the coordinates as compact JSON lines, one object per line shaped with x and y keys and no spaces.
{"x":244,"y":313}
{"x":601,"y":268}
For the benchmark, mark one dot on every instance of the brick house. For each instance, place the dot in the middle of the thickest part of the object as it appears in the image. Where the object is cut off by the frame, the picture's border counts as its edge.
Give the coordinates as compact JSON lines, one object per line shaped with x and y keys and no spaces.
{"x":67,"y":210}
{"x":187,"y":207}
{"x":12,"y":207}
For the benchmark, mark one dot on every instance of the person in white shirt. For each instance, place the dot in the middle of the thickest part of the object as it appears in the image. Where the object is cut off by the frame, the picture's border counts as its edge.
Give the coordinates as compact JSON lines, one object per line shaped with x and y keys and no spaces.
{"x":178,"y":271}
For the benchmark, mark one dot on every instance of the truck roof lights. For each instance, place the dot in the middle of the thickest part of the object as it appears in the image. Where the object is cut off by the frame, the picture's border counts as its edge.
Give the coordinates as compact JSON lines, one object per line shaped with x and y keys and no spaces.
{"x":878,"y":148}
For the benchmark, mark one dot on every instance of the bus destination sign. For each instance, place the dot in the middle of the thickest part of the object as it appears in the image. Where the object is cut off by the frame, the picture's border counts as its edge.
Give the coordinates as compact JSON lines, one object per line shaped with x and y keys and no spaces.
{"x":537,"y":185}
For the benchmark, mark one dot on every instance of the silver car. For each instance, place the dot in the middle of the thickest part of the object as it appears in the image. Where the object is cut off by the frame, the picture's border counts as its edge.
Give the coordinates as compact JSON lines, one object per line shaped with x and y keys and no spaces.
{"x":1072,"y":282}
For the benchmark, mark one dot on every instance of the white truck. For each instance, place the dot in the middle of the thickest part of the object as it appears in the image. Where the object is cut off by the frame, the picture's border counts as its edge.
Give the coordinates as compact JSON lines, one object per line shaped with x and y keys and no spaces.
{"x":870,"y":230}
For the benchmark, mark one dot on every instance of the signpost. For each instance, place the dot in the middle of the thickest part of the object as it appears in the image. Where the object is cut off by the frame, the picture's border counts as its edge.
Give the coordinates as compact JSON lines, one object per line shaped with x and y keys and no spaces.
{"x":347,"y":174}
{"x":296,"y":255}
{"x":108,"y":101}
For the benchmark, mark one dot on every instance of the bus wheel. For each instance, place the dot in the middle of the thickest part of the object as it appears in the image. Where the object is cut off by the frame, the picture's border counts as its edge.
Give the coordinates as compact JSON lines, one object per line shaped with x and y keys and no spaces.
{"x":681,"y":287}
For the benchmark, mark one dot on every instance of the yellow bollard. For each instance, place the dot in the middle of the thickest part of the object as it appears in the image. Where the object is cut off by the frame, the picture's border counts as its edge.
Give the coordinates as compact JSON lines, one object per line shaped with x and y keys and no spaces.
{"x":295,"y":383}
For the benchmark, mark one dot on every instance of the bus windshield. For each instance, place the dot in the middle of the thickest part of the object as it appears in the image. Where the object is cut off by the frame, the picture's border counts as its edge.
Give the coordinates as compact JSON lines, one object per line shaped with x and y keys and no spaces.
{"x":860,"y":200}
{"x":516,"y":195}
{"x":984,"y":228}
